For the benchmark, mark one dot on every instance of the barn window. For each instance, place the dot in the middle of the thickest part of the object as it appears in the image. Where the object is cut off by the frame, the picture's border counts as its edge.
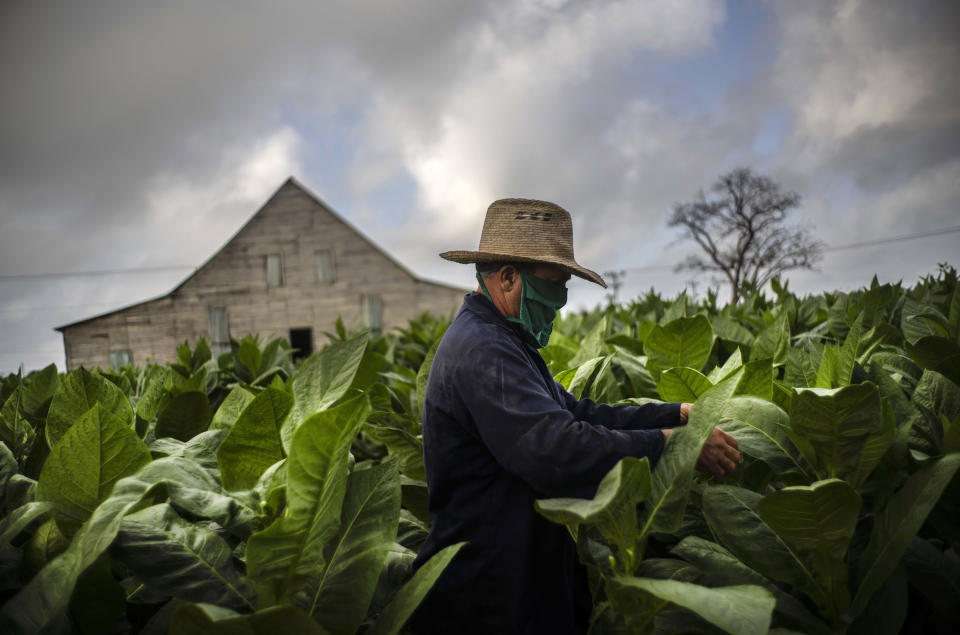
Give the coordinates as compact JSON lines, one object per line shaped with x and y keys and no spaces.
{"x":219,"y":331}
{"x":373,"y":312}
{"x":119,"y":359}
{"x":274,"y":270}
{"x":326,"y":271}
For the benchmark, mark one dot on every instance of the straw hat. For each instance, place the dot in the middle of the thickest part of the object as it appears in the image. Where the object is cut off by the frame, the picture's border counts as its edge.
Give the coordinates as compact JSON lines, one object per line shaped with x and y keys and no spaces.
{"x":524,"y":230}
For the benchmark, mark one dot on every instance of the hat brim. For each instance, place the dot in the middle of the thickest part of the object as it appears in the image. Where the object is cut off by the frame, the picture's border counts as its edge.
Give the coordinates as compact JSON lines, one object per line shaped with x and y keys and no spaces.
{"x":472,"y":257}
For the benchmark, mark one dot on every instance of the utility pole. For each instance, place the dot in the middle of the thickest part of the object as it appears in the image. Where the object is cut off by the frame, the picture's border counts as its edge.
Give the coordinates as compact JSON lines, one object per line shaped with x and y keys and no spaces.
{"x":616,"y":281}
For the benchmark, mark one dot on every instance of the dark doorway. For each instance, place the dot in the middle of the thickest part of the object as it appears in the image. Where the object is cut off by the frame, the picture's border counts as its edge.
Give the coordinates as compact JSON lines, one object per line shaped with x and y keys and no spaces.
{"x":302,"y":342}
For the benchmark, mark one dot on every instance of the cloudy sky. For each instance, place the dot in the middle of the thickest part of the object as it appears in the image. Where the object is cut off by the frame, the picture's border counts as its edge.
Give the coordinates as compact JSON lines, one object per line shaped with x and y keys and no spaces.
{"x":142,"y":134}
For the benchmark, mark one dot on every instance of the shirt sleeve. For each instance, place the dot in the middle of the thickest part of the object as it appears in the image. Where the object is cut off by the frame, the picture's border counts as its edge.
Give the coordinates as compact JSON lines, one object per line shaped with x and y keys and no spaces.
{"x":531,"y":435}
{"x":623,"y":417}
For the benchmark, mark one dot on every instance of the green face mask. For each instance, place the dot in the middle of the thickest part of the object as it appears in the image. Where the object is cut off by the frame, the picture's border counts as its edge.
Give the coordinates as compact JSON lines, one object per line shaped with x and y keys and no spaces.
{"x":539,"y":302}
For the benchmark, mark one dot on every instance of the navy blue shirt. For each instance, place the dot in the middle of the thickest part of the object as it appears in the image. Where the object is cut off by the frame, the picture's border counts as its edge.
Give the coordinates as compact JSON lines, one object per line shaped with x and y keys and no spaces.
{"x":499,"y":433}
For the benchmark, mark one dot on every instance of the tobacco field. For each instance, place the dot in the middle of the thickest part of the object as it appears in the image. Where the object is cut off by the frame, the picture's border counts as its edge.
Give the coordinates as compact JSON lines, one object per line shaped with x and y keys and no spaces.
{"x":249,"y":494}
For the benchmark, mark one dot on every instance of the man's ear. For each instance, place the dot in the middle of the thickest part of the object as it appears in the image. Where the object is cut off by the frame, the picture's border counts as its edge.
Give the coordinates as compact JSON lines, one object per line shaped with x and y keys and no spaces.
{"x":509,"y":276}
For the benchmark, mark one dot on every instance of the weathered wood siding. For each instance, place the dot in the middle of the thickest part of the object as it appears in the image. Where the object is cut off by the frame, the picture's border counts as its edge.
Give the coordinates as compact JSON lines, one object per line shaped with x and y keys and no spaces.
{"x":295,"y":225}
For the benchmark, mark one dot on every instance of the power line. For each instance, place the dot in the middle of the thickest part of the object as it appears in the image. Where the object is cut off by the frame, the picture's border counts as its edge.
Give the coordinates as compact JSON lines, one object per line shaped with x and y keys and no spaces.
{"x":894,"y":239}
{"x":100,"y":272}
{"x":868,"y":243}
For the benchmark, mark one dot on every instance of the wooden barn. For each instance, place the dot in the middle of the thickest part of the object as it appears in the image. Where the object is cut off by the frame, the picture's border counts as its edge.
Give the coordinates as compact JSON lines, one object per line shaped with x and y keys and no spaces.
{"x":290,"y":271}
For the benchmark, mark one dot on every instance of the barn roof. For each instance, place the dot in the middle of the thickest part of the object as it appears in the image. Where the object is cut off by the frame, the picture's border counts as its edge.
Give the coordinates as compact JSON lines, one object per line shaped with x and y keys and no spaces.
{"x":291,"y":181}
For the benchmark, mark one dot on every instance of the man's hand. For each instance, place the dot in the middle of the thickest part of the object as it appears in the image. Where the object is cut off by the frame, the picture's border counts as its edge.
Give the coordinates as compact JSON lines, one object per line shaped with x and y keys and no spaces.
{"x":719,"y":455}
{"x":685,"y":412}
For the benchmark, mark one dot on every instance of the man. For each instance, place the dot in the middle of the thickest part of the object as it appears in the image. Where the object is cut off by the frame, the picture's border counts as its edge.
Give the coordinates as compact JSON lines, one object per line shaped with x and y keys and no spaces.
{"x":499,"y":433}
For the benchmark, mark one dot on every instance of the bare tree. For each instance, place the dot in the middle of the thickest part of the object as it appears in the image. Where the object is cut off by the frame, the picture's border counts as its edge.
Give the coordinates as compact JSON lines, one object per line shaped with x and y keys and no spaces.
{"x":742,"y":231}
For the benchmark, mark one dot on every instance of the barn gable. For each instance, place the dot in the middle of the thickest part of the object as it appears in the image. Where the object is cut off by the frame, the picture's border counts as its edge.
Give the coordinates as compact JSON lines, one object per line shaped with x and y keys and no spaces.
{"x":289,"y":271}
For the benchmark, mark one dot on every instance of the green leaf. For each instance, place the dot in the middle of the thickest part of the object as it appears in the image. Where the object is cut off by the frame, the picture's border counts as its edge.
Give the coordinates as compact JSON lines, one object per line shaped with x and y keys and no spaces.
{"x":20,"y":518}
{"x":424,"y":373}
{"x":339,"y":597}
{"x":773,"y":342}
{"x":742,"y":610}
{"x":282,"y":557}
{"x":817,"y":523}
{"x":682,"y":342}
{"x":837,"y":423}
{"x":848,"y":353}
{"x":93,"y":454}
{"x":16,"y":432}
{"x":408,"y":598}
{"x":673,"y":475}
{"x":48,"y":593}
{"x":733,"y":362}
{"x":760,"y":428}
{"x":757,"y":379}
{"x":612,"y":510}
{"x":407,"y":448}
{"x":898,"y":523}
{"x":682,"y":384}
{"x":39,"y":390}
{"x":724,"y":568}
{"x":594,"y":344}
{"x":639,"y":381}
{"x":229,"y":411}
{"x":322,"y":380}
{"x":731,"y":513}
{"x":253,"y":443}
{"x":77,"y":393}
{"x":209,"y":619}
{"x":98,"y":600}
{"x":579,"y":380}
{"x":181,"y":559}
{"x":184,"y":416}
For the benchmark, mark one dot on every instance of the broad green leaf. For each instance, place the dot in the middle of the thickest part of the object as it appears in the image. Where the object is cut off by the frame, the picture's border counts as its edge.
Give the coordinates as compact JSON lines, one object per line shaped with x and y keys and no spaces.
{"x":16,"y":432}
{"x":724,"y":568}
{"x":837,"y":423}
{"x":210,"y":619}
{"x":757,"y":379}
{"x":194,"y":492}
{"x":800,"y":369}
{"x":760,"y":428}
{"x":682,"y":342}
{"x":77,"y":393}
{"x":594,"y":344}
{"x":732,"y":331}
{"x":741,"y":610}
{"x":828,"y":370}
{"x":682,"y":384}
{"x":39,"y":390}
{"x":93,"y":454}
{"x":98,"y":600}
{"x":612,"y":510}
{"x":817,"y":523}
{"x":181,"y":559}
{"x":639,"y":381}
{"x":253,"y":443}
{"x":848,"y":353}
{"x":674,"y":471}
{"x":20,"y":518}
{"x":580,"y":379}
{"x":184,"y":416}
{"x":773,"y":342}
{"x":898,"y":523}
{"x":731,"y":513}
{"x":875,"y":447}
{"x":408,"y":598}
{"x":282,"y":557}
{"x":48,"y":593}
{"x":321,"y":381}
{"x":733,"y":362}
{"x":407,"y":448}
{"x":339,"y":596}
{"x":424,"y":372}
{"x":231,"y":407}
